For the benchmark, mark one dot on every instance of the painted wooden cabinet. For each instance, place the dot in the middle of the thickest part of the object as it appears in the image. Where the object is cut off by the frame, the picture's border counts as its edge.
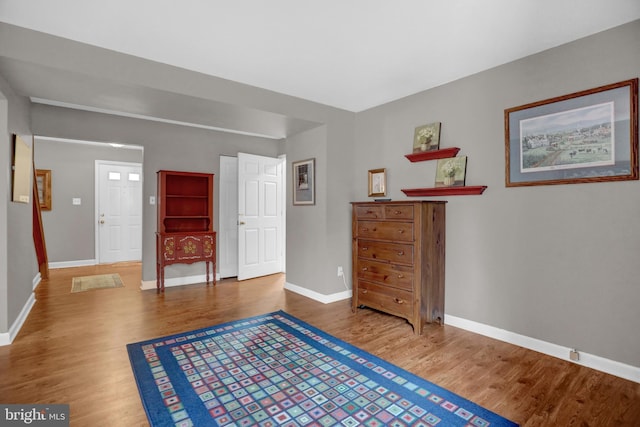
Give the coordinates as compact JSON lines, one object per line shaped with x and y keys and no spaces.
{"x":399,"y":259}
{"x":185,"y":222}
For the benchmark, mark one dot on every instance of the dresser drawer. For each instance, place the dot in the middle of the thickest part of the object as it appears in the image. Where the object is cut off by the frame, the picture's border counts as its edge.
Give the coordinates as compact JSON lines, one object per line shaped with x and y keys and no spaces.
{"x":398,"y":276}
{"x":389,"y":300}
{"x":398,"y":231}
{"x":188,"y":248}
{"x":398,"y":212}
{"x":369,"y":212}
{"x":383,"y":251}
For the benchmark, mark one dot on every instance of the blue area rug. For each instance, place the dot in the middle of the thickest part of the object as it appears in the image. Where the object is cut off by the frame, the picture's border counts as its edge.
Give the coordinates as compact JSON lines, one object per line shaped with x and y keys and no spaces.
{"x":276,"y":370}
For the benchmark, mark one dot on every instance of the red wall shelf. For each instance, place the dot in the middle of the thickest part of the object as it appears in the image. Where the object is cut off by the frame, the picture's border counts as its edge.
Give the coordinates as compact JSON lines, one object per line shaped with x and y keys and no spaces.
{"x":445,"y":191}
{"x":443,"y":153}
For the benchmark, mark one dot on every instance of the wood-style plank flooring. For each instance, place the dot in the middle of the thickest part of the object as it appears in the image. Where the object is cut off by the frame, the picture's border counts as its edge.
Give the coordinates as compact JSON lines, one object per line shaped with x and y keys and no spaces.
{"x":72,"y":350}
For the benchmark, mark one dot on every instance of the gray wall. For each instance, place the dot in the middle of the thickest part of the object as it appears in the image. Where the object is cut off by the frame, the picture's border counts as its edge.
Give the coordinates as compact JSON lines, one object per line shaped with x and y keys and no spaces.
{"x":19,"y":266}
{"x":70,"y":229}
{"x":5,"y":194}
{"x":557,"y":263}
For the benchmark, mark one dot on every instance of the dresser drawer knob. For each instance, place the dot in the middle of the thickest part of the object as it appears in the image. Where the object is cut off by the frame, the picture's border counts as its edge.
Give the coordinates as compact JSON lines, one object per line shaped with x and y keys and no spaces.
{"x":369,"y":211}
{"x":401,"y":231}
{"x":365,"y":269}
{"x":401,"y":253}
{"x":399,"y":301}
{"x":365,"y":248}
{"x":365,"y":229}
{"x":364,"y":291}
{"x":397,"y":212}
{"x":400,"y":276}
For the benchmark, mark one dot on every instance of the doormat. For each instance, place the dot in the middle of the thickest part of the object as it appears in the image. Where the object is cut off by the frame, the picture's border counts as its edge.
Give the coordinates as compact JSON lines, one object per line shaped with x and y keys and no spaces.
{"x":276,"y":370}
{"x":100,"y":281}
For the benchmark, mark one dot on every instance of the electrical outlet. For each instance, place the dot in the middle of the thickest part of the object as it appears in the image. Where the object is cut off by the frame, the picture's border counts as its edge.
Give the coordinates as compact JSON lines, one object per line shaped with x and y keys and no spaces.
{"x":574,"y":355}
{"x":340,"y":271}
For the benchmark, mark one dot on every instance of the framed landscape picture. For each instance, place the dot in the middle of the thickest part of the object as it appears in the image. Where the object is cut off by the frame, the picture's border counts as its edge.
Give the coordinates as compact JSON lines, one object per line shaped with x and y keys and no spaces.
{"x":588,"y":136}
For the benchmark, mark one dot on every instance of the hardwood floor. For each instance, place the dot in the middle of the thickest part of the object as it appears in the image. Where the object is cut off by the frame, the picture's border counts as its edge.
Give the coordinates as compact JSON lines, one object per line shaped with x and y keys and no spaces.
{"x":72,"y":350}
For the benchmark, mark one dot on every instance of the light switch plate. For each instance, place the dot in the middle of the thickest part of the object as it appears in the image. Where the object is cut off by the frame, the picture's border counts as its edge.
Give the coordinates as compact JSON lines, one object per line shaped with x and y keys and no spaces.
{"x":76,"y":201}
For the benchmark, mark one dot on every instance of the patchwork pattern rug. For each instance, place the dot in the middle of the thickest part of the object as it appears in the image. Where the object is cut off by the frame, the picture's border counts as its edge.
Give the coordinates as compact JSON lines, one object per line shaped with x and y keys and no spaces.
{"x":100,"y":281}
{"x":276,"y":370}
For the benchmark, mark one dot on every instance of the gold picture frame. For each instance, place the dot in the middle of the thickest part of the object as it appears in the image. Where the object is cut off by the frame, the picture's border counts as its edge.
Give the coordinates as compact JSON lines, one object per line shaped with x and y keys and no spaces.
{"x":43,"y":182}
{"x":377,"y":182}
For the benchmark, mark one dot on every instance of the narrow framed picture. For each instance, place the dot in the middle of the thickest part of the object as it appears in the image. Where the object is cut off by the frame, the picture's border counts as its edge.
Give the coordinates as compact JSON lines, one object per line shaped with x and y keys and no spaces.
{"x":588,"y":136}
{"x":304,"y":182}
{"x":377,"y":182}
{"x":43,"y":181}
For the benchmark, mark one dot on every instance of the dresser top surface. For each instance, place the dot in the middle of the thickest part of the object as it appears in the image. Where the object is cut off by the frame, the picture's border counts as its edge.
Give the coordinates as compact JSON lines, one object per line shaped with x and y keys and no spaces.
{"x":400,"y":202}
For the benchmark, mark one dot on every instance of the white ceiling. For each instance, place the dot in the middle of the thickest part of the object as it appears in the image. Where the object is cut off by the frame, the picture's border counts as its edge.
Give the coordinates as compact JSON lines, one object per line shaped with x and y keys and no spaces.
{"x":350,"y":54}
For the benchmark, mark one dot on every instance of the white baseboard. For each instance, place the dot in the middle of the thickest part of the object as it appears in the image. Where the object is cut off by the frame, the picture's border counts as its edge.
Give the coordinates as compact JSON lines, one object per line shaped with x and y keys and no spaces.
{"x":628,"y":372}
{"x":325,"y":299}
{"x":36,"y":281}
{"x":67,"y":264}
{"x":8,"y":337}
{"x":146,"y":285}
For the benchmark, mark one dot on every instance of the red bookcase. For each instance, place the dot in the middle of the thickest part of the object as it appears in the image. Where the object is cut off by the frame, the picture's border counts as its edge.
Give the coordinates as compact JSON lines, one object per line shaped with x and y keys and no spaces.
{"x":185,"y":221}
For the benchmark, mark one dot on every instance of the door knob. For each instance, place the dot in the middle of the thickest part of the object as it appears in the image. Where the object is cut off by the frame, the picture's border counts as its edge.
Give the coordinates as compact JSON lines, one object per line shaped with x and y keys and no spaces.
{"x":241,"y":223}
{"x":102,"y":221}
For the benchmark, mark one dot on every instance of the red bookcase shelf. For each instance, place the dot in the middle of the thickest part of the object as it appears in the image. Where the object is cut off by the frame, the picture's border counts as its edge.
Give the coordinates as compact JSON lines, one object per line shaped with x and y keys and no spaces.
{"x":423,"y":156}
{"x":445,"y":191}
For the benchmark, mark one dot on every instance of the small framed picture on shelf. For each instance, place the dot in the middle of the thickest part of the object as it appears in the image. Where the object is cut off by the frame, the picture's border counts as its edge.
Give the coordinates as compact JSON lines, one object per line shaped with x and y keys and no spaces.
{"x":377,"y":182}
{"x":426,"y":138}
{"x":451,"y":172}
{"x":304,"y":182}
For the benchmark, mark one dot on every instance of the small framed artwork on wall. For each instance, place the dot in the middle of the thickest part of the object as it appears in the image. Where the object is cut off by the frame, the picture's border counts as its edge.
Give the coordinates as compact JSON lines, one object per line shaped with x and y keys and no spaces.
{"x":304,"y":182}
{"x":43,"y":181}
{"x":377,"y":182}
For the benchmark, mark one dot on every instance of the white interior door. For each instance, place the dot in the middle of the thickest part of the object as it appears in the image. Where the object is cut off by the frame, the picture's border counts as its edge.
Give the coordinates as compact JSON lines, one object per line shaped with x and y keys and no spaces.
{"x":228,"y":219}
{"x":260,"y":216}
{"x":118,"y":211}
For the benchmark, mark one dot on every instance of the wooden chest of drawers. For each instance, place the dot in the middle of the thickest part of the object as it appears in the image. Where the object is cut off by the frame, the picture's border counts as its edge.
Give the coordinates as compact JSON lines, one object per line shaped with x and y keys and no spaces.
{"x":399,"y":259}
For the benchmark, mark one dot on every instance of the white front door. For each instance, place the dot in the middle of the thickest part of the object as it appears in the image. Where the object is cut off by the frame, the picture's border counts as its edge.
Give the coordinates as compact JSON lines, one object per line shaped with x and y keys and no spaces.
{"x":118,"y":211}
{"x":260,"y":216}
